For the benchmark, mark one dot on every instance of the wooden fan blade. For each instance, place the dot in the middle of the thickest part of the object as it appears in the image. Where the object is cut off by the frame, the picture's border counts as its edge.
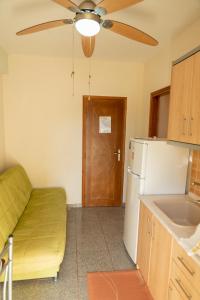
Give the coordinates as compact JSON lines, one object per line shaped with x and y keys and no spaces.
{"x":88,"y":44}
{"x":132,"y":33}
{"x":45,"y":26}
{"x":66,"y":3}
{"x":114,"y":5}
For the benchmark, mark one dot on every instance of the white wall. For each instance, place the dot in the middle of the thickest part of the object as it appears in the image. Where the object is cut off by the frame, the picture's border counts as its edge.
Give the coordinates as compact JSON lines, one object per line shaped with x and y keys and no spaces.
{"x":158,"y":70}
{"x":2,"y":139}
{"x":3,"y":70}
{"x":43,"y":121}
{"x":3,"y":61}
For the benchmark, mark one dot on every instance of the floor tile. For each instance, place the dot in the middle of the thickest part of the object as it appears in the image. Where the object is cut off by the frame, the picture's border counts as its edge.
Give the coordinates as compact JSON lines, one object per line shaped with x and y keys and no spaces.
{"x":94,"y":243}
{"x":88,"y":229}
{"x":113,"y":244}
{"x":91,"y":244}
{"x":69,"y":267}
{"x":82,"y":283}
{"x":120,"y":259}
{"x":93,"y":261}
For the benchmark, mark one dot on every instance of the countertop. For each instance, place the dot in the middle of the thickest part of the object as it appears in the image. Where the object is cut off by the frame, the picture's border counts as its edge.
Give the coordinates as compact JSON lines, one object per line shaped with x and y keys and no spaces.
{"x":176,"y":231}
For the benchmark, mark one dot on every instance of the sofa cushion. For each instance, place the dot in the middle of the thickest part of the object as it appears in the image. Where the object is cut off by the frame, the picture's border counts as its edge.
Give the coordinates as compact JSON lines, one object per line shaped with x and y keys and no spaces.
{"x":39,"y":237}
{"x":15,"y":190}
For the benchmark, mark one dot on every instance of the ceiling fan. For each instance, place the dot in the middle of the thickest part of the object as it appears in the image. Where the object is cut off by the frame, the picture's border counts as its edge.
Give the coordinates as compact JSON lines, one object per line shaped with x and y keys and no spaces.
{"x":88,"y":22}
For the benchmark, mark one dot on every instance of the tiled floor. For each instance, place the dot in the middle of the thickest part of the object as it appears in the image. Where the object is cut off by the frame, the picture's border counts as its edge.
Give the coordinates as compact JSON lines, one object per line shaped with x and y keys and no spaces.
{"x":94,"y":244}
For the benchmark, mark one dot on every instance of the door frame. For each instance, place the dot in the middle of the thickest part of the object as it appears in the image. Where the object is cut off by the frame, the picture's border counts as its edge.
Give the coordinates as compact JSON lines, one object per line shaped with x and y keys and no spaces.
{"x":85,"y":99}
{"x":154,"y":106}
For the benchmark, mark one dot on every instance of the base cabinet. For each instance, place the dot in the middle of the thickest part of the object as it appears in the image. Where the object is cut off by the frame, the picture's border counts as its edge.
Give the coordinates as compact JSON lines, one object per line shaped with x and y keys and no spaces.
{"x":154,"y":254}
{"x":183,"y":287}
{"x":173,"y":294}
{"x":144,"y":241}
{"x":184,"y":276}
{"x":159,"y":268}
{"x":167,"y":269}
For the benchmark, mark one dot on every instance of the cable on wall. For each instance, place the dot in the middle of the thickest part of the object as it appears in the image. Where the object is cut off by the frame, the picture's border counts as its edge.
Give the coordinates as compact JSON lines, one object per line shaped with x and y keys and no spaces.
{"x":73,"y":61}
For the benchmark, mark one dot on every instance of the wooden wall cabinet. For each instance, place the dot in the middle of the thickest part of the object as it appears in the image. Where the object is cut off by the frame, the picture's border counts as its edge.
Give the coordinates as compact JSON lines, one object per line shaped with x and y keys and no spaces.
{"x":154,"y":254}
{"x":184,"y":113}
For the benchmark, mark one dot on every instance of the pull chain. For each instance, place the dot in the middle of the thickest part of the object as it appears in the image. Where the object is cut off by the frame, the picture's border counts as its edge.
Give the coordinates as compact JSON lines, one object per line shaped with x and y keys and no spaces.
{"x":73,"y":62}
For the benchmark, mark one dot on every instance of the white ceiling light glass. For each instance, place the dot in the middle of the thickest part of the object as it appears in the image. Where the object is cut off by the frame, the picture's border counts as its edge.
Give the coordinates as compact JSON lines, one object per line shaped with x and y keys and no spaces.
{"x":87,"y":24}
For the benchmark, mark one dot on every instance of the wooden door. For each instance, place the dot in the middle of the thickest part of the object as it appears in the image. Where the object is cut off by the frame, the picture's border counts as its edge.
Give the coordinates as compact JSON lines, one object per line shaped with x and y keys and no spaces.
{"x":144,"y":241}
{"x":159,"y":113}
{"x":160,"y":261}
{"x":181,"y":94}
{"x":104,"y":120}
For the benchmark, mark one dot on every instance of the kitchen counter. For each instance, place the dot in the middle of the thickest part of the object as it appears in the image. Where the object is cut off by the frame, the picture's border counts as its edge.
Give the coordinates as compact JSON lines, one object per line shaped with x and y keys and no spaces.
{"x":175,"y":230}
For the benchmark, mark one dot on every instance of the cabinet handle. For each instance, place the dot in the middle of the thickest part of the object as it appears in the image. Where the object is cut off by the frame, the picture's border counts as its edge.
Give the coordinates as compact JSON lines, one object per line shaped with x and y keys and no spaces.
{"x":192,"y":273}
{"x":170,"y":290}
{"x":149,"y":231}
{"x":184,"y":125}
{"x":153,"y":231}
{"x":190,"y":125}
{"x":188,"y":296}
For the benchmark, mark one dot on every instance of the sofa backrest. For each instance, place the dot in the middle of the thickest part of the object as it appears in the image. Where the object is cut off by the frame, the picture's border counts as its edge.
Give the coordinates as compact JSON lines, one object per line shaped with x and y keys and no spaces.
{"x":15,"y":190}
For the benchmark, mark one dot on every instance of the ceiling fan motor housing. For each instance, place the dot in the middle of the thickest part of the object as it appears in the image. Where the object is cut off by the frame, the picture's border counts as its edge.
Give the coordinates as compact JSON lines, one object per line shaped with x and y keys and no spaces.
{"x":87,"y":6}
{"x":88,"y":16}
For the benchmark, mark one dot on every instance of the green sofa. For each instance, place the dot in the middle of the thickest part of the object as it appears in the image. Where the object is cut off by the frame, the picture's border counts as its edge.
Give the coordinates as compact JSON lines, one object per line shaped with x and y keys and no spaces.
{"x":37,"y":220}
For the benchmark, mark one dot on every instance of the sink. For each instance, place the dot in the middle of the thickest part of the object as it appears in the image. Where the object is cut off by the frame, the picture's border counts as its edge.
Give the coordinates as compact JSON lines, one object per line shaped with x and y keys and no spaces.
{"x":180,"y":212}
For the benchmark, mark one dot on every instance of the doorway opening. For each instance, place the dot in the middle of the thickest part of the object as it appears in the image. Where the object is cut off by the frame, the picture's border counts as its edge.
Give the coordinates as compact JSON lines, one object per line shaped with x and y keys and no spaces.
{"x":104,"y":128}
{"x":159,"y":113}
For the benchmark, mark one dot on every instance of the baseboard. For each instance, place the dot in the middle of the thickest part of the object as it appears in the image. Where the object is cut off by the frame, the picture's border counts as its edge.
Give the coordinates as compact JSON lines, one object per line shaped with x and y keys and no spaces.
{"x":69,"y":206}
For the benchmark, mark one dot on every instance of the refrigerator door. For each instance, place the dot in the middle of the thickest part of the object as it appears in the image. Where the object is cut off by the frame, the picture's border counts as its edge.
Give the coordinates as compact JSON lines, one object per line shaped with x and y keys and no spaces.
{"x":166,"y":169}
{"x":132,"y":215}
{"x":137,"y":157}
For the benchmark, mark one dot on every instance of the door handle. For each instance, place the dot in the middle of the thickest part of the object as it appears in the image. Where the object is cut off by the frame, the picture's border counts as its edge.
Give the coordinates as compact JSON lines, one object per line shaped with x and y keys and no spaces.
{"x":118,"y":153}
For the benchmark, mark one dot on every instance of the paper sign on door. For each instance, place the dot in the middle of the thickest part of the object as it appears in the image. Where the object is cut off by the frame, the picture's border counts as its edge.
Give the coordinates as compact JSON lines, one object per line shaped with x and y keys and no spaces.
{"x":105,"y":124}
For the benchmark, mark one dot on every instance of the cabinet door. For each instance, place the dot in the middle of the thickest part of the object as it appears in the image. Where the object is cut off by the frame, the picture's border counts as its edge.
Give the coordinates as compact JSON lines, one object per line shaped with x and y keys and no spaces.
{"x":180,"y":100}
{"x":183,"y":285}
{"x":173,"y":293}
{"x":194,"y":120}
{"x":160,"y":261}
{"x":144,"y":241}
{"x":186,"y":264}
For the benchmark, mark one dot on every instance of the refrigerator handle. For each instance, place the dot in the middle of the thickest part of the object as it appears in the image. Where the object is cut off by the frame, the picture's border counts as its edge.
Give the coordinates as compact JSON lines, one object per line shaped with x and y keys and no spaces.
{"x":132,"y":173}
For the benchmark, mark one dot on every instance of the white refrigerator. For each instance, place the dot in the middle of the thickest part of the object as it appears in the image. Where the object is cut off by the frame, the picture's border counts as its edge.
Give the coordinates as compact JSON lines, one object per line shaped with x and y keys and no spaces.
{"x":154,"y":167}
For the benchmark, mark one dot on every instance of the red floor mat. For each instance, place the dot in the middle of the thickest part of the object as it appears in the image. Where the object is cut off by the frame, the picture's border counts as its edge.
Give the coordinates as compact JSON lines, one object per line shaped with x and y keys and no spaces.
{"x":120,"y":285}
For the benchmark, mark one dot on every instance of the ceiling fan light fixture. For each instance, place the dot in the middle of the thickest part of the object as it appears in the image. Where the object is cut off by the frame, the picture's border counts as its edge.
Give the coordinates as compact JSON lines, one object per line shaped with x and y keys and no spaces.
{"x":88,"y":24}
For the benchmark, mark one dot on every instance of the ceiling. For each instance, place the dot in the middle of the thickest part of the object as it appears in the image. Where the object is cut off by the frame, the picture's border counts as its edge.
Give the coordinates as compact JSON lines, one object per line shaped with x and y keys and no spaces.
{"x":162,"y":19}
